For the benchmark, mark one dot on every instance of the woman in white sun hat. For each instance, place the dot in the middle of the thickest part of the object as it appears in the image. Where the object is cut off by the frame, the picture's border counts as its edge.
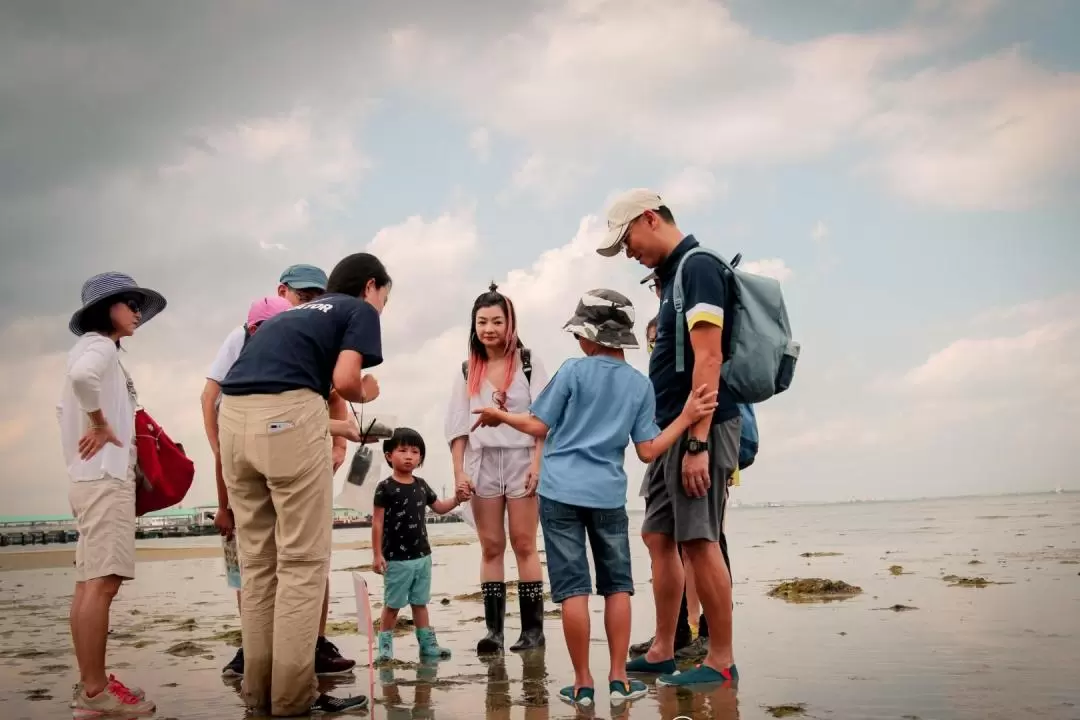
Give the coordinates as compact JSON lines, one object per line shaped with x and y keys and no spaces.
{"x":97,"y":433}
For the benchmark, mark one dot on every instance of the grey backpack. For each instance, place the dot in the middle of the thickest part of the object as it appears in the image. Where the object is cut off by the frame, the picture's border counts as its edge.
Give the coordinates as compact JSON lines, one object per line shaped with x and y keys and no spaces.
{"x":761,"y":358}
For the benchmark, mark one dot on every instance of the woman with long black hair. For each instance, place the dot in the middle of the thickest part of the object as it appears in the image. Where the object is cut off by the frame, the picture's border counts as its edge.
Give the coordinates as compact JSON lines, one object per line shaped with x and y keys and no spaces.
{"x":499,"y":465}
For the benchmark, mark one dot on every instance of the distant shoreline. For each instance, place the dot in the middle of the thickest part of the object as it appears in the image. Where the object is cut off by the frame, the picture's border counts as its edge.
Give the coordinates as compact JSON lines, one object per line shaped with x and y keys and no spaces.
{"x":12,"y":560}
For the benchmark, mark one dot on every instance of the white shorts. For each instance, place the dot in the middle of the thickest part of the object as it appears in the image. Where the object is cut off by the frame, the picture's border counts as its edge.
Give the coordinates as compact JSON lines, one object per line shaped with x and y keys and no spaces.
{"x":104,"y":513}
{"x":499,"y":472}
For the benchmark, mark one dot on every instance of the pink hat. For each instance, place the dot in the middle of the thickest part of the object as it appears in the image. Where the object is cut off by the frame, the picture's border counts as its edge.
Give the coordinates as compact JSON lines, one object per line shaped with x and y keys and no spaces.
{"x":266,"y":308}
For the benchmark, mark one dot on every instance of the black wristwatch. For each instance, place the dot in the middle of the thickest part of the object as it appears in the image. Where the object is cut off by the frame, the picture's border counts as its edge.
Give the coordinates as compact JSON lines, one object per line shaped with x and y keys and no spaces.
{"x":695,"y":446}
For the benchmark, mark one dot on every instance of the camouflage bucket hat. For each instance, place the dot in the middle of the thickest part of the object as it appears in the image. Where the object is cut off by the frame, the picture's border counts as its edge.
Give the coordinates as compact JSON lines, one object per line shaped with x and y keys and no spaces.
{"x":605,"y":317}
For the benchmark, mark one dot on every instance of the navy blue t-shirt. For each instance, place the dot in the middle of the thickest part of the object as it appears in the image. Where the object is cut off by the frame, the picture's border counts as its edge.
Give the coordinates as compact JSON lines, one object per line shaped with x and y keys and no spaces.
{"x":705,"y":300}
{"x":299,"y":347}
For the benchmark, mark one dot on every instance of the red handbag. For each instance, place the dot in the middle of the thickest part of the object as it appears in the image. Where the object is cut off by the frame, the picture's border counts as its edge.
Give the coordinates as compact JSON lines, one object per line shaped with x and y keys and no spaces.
{"x":167,"y":473}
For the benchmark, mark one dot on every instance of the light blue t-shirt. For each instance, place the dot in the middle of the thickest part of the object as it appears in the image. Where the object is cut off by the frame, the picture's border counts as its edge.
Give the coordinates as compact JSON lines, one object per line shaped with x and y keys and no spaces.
{"x":593,"y":407}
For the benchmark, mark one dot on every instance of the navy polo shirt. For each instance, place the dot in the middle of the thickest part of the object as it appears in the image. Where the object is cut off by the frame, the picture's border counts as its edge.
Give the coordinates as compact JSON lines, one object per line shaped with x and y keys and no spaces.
{"x":705,"y":300}
{"x":298,"y":348}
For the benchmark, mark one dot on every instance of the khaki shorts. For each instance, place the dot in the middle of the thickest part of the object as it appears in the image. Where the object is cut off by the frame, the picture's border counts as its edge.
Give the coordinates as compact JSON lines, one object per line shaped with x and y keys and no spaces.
{"x":104,"y":513}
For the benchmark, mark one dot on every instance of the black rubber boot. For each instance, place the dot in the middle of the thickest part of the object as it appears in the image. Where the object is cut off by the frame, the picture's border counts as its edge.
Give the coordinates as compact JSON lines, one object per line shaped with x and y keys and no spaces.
{"x":531,"y":603}
{"x":494,"y":617}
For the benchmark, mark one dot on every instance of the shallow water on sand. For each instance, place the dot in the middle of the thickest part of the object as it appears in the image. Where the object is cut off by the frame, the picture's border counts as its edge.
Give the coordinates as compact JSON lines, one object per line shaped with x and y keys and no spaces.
{"x":1008,"y":650}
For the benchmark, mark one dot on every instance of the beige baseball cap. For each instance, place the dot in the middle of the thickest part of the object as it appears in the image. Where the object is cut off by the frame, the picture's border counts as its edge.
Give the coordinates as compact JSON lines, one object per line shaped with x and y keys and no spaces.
{"x":625,"y":209}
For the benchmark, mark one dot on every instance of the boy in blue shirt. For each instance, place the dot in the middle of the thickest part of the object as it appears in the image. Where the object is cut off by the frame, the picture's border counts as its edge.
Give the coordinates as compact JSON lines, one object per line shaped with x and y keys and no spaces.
{"x":587,"y":413}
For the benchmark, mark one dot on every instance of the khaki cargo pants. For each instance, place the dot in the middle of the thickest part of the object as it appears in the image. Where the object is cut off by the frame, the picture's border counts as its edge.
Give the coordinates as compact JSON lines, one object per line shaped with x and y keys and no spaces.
{"x":276,"y":459}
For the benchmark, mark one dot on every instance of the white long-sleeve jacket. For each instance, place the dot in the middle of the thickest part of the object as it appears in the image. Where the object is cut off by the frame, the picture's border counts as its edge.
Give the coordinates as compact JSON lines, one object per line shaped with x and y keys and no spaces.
{"x":95,"y":380}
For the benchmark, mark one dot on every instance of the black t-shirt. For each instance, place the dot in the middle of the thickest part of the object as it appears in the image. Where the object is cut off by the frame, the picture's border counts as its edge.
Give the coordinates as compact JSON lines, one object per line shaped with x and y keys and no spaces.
{"x":705,"y":300}
{"x":404,"y":517}
{"x":299,"y":347}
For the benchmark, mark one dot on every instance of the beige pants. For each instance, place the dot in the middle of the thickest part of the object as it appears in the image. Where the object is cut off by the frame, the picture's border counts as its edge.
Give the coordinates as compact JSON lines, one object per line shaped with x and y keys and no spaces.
{"x":276,"y":459}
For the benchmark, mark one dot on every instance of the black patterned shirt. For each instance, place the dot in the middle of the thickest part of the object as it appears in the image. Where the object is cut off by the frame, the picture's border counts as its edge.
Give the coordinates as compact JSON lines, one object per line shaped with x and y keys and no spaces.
{"x":405,"y":517}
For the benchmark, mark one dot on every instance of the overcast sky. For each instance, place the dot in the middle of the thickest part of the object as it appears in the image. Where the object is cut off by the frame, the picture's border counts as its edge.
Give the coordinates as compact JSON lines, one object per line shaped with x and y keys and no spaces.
{"x":907,"y":168}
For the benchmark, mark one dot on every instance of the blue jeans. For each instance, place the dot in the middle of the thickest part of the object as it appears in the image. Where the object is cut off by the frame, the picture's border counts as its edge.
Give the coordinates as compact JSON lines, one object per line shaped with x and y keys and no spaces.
{"x":565,"y":528}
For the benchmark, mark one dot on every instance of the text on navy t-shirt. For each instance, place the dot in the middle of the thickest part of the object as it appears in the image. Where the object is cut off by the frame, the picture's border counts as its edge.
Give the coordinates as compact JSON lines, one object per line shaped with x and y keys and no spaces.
{"x":298,"y":348}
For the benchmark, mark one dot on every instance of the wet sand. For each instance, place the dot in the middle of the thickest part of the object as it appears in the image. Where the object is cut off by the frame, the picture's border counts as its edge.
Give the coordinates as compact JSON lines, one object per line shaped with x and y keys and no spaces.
{"x":967,"y":608}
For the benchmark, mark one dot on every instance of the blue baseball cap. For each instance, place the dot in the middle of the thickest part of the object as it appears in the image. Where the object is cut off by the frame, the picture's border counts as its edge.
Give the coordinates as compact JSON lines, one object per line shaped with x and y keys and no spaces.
{"x":303,"y":277}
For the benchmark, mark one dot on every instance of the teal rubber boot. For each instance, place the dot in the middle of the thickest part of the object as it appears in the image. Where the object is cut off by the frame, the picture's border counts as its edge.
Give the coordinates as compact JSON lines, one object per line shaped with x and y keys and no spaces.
{"x":429,"y":646}
{"x":386,"y":647}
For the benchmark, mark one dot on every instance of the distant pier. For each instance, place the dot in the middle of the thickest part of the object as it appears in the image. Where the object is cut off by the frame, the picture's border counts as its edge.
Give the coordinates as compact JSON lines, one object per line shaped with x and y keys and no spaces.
{"x":171,"y":523}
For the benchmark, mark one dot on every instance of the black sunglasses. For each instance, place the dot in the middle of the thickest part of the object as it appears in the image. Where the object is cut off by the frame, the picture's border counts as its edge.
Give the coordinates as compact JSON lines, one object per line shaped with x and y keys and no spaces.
{"x":134,"y":303}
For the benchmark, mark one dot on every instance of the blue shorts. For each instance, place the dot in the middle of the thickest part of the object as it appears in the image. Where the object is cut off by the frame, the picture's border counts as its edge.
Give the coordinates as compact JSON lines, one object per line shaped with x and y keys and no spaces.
{"x":565,"y":528}
{"x":407,"y":582}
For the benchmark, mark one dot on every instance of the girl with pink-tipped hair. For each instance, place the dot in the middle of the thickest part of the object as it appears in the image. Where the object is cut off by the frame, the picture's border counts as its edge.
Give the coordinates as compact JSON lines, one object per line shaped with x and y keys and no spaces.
{"x":500,"y":466}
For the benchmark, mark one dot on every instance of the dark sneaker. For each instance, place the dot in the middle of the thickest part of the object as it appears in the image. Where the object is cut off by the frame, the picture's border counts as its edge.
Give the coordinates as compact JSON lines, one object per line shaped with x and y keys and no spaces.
{"x":235,"y":668}
{"x":640,"y":648}
{"x":696,"y":650}
{"x":329,"y":704}
{"x":328,"y":660}
{"x":643,"y":647}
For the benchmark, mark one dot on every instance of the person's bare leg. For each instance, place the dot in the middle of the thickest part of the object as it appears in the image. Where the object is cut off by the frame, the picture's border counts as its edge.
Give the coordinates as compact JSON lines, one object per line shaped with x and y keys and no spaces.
{"x":714,"y":589}
{"x":667,"y":586}
{"x":524,"y":521}
{"x":93,"y":633}
{"x":490,"y":527}
{"x":575,"y":623}
{"x":617,"y":625}
{"x":76,"y":605}
{"x":693,"y":604}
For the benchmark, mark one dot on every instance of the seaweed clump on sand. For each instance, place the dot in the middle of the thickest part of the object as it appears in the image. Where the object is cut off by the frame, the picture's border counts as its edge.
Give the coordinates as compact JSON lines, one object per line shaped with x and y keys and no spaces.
{"x":783,"y":711}
{"x":976,"y":582}
{"x":814,"y":590}
{"x":403,"y":626}
{"x":896,"y":569}
{"x":232,"y":636}
{"x":186,"y":649}
{"x":820,"y":554}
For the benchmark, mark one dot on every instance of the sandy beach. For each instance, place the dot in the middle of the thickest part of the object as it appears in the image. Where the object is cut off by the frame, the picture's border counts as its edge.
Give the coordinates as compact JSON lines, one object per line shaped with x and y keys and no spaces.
{"x":961,"y":608}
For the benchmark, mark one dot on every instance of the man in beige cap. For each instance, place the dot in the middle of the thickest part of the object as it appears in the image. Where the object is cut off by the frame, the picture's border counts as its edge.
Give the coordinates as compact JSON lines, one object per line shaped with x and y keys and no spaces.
{"x":687,"y":487}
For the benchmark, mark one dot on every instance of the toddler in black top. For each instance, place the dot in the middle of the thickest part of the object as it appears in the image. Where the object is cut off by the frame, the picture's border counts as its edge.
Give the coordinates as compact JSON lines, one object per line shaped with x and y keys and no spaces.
{"x":400,"y":542}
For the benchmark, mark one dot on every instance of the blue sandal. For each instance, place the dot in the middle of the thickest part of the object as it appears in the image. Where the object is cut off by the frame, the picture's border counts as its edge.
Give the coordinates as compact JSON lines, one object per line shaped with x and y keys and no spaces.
{"x":624,"y":691}
{"x":701,"y":675}
{"x":585,"y":696}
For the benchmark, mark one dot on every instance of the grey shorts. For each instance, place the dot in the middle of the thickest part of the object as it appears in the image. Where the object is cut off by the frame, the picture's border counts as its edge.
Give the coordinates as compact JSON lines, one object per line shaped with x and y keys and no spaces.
{"x":668,"y":509}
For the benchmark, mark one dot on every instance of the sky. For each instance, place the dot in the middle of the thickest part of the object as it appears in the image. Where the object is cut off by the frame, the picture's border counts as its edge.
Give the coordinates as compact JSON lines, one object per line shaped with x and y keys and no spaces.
{"x":906,"y":168}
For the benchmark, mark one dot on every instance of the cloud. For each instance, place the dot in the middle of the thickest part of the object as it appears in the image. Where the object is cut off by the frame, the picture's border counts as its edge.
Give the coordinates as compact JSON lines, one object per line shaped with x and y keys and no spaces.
{"x":1033,"y":355}
{"x":989,"y":412}
{"x":692,"y":188}
{"x":987,"y":132}
{"x":418,"y":374}
{"x":549,"y":178}
{"x":769,"y":267}
{"x":985,"y":135}
{"x":480,"y":144}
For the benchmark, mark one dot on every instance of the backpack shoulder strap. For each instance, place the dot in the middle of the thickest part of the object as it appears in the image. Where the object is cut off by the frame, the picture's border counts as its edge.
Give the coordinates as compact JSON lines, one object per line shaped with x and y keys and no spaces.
{"x":526,"y":363}
{"x":677,"y":299}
